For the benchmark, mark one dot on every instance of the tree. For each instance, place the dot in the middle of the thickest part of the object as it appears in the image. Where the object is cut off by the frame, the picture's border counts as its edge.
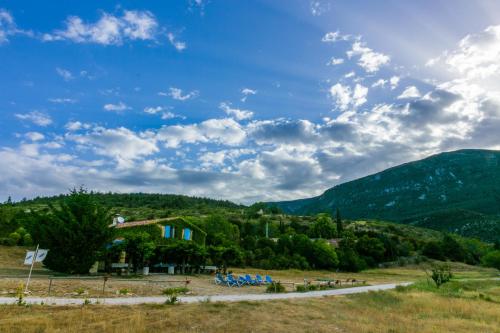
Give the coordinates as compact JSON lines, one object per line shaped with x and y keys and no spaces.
{"x":338,"y":220}
{"x":139,"y":248}
{"x":371,"y":248}
{"x":220,"y":231}
{"x":323,"y":227}
{"x":324,"y":255}
{"x":74,"y":233}
{"x":492,"y":259}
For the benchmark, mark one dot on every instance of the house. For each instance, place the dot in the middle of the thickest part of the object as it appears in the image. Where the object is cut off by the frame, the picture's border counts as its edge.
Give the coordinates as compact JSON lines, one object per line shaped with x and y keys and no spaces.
{"x":165,"y":229}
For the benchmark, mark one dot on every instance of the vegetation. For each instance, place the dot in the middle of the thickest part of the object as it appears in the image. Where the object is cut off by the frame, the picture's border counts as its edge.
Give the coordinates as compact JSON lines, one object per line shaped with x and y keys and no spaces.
{"x":451,"y":192}
{"x":458,"y":306}
{"x":75,"y":233}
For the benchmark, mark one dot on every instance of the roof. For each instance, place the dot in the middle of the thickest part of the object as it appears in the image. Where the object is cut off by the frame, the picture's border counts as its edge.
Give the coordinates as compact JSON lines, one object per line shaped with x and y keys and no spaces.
{"x":155,"y":221}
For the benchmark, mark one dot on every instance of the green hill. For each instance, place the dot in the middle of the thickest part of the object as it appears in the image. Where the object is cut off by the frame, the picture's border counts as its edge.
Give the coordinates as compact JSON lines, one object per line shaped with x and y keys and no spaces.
{"x":455,"y":191}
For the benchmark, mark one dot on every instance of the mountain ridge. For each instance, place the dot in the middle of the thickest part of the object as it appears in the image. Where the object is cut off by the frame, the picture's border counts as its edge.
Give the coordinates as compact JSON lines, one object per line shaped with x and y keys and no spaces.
{"x":463,"y":183}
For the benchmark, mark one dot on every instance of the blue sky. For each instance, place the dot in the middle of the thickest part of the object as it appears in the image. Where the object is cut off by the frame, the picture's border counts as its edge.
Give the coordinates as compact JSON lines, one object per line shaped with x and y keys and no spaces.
{"x":241,"y":100}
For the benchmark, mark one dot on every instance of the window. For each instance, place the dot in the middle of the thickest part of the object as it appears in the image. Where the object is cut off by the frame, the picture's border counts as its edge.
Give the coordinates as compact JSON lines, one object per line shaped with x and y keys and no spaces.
{"x":187,"y":234}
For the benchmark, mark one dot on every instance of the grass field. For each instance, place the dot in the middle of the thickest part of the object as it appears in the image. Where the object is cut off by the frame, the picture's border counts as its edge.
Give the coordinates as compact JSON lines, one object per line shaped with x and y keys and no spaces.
{"x":467,"y":306}
{"x":469,"y":303}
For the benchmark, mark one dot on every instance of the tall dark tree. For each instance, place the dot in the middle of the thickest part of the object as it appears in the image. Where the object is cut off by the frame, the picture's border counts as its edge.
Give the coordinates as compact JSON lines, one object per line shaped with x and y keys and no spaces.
{"x":74,"y":233}
{"x":338,"y":220}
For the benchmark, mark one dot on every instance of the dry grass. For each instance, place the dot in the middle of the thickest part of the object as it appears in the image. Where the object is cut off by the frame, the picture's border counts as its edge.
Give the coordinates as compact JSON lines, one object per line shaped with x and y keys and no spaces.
{"x":409,"y":311}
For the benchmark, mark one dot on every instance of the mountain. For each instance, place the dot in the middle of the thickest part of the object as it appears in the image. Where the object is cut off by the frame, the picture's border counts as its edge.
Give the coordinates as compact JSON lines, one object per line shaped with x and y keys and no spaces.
{"x":455,"y":191}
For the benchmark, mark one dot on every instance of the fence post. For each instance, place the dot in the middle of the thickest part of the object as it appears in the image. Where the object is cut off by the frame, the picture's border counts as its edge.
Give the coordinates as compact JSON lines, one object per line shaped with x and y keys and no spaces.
{"x":50,"y":285}
{"x":105,"y":278}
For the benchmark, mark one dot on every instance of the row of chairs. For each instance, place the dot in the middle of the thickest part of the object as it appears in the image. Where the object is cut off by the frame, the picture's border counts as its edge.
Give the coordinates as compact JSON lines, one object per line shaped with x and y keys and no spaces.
{"x":231,"y":281}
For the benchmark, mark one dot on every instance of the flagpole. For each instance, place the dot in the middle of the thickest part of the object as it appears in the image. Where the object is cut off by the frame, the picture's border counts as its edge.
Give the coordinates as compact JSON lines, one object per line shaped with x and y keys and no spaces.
{"x":31,"y":269}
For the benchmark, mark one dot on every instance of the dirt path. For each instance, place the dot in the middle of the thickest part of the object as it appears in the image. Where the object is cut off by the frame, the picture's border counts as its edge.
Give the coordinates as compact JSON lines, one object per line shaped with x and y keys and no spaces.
{"x":199,"y":299}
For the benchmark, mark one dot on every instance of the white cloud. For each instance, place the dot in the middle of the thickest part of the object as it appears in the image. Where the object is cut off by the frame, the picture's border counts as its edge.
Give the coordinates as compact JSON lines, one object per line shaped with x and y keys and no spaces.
{"x":247,"y":92}
{"x":335,"y":61}
{"x":153,"y":110}
{"x":336,"y":36}
{"x":379,"y":83}
{"x":179,"y":46}
{"x":65,"y":74}
{"x":116,"y":107}
{"x":62,"y":100}
{"x":109,"y":29}
{"x":76,"y":125}
{"x":238,"y":114}
{"x":165,"y":114}
{"x":394,"y":81}
{"x":319,"y":7}
{"x":369,"y":60}
{"x":410,"y":92}
{"x":177,"y":94}
{"x":345,"y":97}
{"x":34,"y":136}
{"x":221,"y":131}
{"x":36,"y":117}
{"x":121,"y":143}
{"x":9,"y":28}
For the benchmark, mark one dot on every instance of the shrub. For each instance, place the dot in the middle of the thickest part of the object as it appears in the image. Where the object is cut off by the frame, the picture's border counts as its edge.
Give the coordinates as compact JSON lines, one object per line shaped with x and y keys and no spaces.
{"x":15,"y":238}
{"x":492,"y":259}
{"x":275,"y":287}
{"x":27,"y":240}
{"x":301,"y":288}
{"x":172,"y":295}
{"x":440,"y":274}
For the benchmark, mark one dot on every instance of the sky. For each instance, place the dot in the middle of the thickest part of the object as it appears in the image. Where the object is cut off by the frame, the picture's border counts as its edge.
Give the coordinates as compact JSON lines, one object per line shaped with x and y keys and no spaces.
{"x":241,"y":100}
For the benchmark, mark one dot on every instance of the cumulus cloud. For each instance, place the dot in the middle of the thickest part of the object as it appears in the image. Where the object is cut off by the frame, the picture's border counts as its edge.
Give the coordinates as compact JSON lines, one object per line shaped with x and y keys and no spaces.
{"x":335,"y":61}
{"x":335,"y":36}
{"x":238,"y":114}
{"x":121,"y":143}
{"x":410,"y":92}
{"x":179,"y":46}
{"x":221,"y":131}
{"x":9,"y":28}
{"x":346,"y":97}
{"x":76,"y":125}
{"x":119,"y":107}
{"x":369,"y":60}
{"x":319,"y":7}
{"x":65,"y":74}
{"x":109,"y":29}
{"x":177,"y":94}
{"x":247,"y":92}
{"x":164,"y":111}
{"x":34,"y":136}
{"x":36,"y":117}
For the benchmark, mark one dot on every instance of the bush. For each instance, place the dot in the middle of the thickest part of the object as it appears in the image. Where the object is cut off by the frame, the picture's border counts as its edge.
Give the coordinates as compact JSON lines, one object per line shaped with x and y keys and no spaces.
{"x":27,"y":240}
{"x":275,"y":287}
{"x":301,"y":288}
{"x":492,"y":259}
{"x":15,"y":238}
{"x":440,"y":274}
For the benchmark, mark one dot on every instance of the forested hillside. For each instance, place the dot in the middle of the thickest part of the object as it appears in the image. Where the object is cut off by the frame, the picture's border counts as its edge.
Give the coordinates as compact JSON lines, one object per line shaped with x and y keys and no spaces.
{"x":456,"y":191}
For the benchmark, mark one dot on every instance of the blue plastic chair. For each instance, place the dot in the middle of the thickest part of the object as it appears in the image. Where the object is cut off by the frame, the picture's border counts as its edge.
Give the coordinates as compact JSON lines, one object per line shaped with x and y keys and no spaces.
{"x":231,"y":281}
{"x":242,"y":281}
{"x":219,"y":279}
{"x":259,"y":280}
{"x":269,"y":280}
{"x":249,"y":280}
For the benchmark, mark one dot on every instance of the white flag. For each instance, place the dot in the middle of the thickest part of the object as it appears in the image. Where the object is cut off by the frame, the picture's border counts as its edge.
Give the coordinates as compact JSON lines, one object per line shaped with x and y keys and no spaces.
{"x":29,"y":257}
{"x":41,"y":255}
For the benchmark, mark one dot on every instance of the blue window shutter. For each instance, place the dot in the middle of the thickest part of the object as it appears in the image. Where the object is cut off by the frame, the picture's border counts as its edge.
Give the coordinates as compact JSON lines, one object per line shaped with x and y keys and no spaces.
{"x":187,"y":234}
{"x":167,"y":231}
